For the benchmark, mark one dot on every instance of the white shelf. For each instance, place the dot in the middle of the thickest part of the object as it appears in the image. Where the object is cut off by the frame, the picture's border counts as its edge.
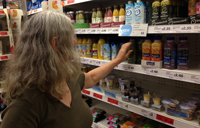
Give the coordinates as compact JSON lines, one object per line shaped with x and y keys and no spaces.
{"x":34,"y":11}
{"x":146,"y":112}
{"x":191,"y":76}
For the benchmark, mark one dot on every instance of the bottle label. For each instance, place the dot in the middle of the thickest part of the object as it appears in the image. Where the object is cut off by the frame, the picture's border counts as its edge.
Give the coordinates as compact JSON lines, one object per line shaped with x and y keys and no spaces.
{"x":109,"y":19}
{"x":93,"y":20}
{"x":169,"y":57}
{"x":72,"y":21}
{"x":165,"y":11}
{"x":77,"y":21}
{"x":146,"y":51}
{"x":99,"y":20}
{"x":191,"y":9}
{"x":89,"y":49}
{"x":182,"y":57}
{"x":84,"y":49}
{"x":156,"y":52}
{"x":116,"y":18}
{"x":121,"y":18}
{"x":106,"y":54}
{"x":95,"y":52}
{"x":81,"y":21}
{"x":156,"y":12}
{"x":79,"y":49}
{"x":198,"y":7}
{"x":105,"y":19}
{"x":114,"y":53}
{"x":102,"y":50}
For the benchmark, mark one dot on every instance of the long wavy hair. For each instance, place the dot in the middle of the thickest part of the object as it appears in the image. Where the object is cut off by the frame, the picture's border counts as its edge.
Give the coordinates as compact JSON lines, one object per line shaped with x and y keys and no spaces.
{"x":35,"y":64}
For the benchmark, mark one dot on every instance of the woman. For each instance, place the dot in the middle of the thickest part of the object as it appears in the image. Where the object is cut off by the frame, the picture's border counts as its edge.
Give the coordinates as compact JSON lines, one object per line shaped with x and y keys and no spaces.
{"x":43,"y":84}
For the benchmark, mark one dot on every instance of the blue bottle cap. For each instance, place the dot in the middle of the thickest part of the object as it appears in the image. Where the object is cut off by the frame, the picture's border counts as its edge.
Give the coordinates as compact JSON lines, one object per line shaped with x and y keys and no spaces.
{"x":157,"y":38}
{"x":147,"y":38}
{"x":170,"y":38}
{"x":183,"y":38}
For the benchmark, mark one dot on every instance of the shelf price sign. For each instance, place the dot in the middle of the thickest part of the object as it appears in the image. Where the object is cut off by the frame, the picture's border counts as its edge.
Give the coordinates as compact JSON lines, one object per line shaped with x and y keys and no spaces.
{"x":86,"y":92}
{"x":175,"y":75}
{"x":195,"y":78}
{"x":147,"y":114}
{"x":112,"y":101}
{"x":165,"y":119}
{"x":98,"y":96}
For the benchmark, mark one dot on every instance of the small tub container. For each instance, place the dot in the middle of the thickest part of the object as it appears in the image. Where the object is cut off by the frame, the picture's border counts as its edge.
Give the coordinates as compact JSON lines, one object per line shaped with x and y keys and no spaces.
{"x":196,"y":102}
{"x":188,"y":108}
{"x":170,"y":103}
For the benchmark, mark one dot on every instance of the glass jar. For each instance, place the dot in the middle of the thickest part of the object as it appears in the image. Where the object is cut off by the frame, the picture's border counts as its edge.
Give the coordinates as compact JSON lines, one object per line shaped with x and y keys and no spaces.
{"x":71,"y":15}
{"x":81,"y":17}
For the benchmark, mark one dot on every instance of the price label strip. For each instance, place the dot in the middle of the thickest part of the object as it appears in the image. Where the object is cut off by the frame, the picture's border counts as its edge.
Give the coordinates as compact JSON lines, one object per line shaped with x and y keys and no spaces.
{"x":98,"y":96}
{"x":195,"y":78}
{"x":175,"y":75}
{"x":112,"y":101}
{"x":86,"y":92}
{"x":165,"y":119}
{"x":163,"y":29}
{"x":88,"y":31}
{"x":154,"y":72}
{"x":147,"y":114}
{"x":115,"y":30}
{"x":90,"y":62}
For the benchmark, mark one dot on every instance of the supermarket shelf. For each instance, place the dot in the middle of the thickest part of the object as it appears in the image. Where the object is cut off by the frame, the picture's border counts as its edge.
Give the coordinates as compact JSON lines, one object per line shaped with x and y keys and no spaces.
{"x":146,"y":112}
{"x":191,"y":76}
{"x":97,"y":31}
{"x":34,"y":11}
{"x":5,"y":57}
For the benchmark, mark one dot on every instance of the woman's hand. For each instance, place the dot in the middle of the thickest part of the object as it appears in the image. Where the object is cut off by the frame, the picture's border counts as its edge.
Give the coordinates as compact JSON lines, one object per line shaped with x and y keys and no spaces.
{"x":123,"y":54}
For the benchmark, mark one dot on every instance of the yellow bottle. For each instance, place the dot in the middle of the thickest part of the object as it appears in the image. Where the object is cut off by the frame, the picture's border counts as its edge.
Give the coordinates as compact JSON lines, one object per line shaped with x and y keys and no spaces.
{"x":95,"y":50}
{"x":89,"y":48}
{"x":156,"y":48}
{"x":122,"y":13}
{"x":115,"y":14}
{"x":100,"y":48}
{"x":156,"y":5}
{"x":166,"y":9}
{"x":146,"y":49}
{"x":79,"y":46}
{"x":84,"y":47}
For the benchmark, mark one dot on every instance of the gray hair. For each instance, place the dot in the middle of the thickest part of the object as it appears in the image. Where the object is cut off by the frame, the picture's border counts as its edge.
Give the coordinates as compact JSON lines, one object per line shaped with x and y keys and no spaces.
{"x":35,"y":64}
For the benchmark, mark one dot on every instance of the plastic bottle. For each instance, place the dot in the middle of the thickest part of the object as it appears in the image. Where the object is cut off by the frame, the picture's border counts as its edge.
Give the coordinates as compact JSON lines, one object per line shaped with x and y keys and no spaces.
{"x":114,"y":50}
{"x":146,"y":49}
{"x":87,"y":17}
{"x":95,"y":49}
{"x":198,"y":7}
{"x":192,"y":7}
{"x":79,"y":46}
{"x":170,"y":54}
{"x":84,"y":47}
{"x":121,"y":13}
{"x":81,"y":17}
{"x":156,"y":49}
{"x":105,"y":15}
{"x":156,"y":10}
{"x":77,"y":16}
{"x":100,"y":48}
{"x":109,"y":15}
{"x":139,"y":51}
{"x":140,"y":12}
{"x":107,"y":51}
{"x":183,"y":54}
{"x":130,"y":11}
{"x":115,"y":14}
{"x":94,"y":15}
{"x":89,"y":47}
{"x":166,"y":9}
{"x":99,"y":18}
{"x":132,"y":56}
{"x":148,"y":12}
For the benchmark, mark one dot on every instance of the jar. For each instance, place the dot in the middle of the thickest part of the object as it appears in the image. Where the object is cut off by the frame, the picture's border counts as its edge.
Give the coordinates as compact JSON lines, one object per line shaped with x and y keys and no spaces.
{"x":71,"y":15}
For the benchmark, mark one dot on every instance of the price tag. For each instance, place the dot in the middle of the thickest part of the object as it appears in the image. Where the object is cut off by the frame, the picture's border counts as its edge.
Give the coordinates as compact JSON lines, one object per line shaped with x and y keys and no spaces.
{"x":97,"y":96}
{"x":183,"y":28}
{"x":109,"y":30}
{"x":110,"y":100}
{"x":76,"y":31}
{"x":197,"y":28}
{"x":90,"y":62}
{"x":175,"y":75}
{"x":116,"y":67}
{"x":4,"y":57}
{"x":86,"y":92}
{"x":3,"y":33}
{"x":131,"y":68}
{"x":92,"y":30}
{"x":154,"y":72}
{"x":88,"y":31}
{"x":93,"y":62}
{"x":79,"y":31}
{"x":98,"y":63}
{"x":126,"y":106}
{"x":82,"y":60}
{"x":147,"y":114}
{"x":120,"y":104}
{"x":98,"y":31}
{"x":125,"y":67}
{"x":195,"y":78}
{"x":83,"y":31}
{"x":103,"y":63}
{"x":165,"y":119}
{"x":85,"y":61}
{"x":103,"y":30}
{"x":162,"y":29}
{"x":115,"y":30}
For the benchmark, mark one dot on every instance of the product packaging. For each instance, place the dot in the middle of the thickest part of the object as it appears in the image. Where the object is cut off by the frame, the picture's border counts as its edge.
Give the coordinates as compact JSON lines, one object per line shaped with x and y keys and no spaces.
{"x":130,"y":11}
{"x":188,"y":108}
{"x":140,"y":12}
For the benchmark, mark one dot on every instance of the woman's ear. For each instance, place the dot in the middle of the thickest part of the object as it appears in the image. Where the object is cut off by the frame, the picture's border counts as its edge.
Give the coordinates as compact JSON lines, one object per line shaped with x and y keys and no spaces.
{"x":54,"y":43}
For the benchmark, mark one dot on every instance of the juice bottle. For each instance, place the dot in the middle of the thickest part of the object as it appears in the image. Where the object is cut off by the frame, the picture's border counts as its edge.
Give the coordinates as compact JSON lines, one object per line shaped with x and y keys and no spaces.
{"x":115,"y":14}
{"x":198,"y":8}
{"x":174,"y":8}
{"x":139,"y":51}
{"x":95,"y":49}
{"x":105,"y":15}
{"x":99,"y":18}
{"x":94,"y":15}
{"x":170,"y":53}
{"x":121,"y":13}
{"x":114,"y":50}
{"x":166,"y":9}
{"x":84,"y":47}
{"x":146,"y":49}
{"x":77,"y":16}
{"x":107,"y":51}
{"x":81,"y":17}
{"x":183,"y":54}
{"x":109,"y":15}
{"x":156,"y":9}
{"x":100,"y":48}
{"x":132,"y":56}
{"x":192,"y":7}
{"x":79,"y":46}
{"x":89,"y":48}
{"x":156,"y":49}
{"x":148,"y":12}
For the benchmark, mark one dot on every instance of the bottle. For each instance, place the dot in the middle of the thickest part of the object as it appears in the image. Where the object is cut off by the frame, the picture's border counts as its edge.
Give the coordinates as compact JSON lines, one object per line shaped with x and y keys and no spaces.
{"x":148,"y":12}
{"x":109,"y":15}
{"x":140,"y":12}
{"x":100,"y":48}
{"x":99,"y":18}
{"x":79,"y":46}
{"x":89,"y":48}
{"x":94,"y":15}
{"x":156,"y":49}
{"x":81,"y":17}
{"x":166,"y":9}
{"x":84,"y":47}
{"x":183,"y":54}
{"x":170,"y":54}
{"x":146,"y":49}
{"x":156,"y":10}
{"x":105,"y":15}
{"x":139,"y":51}
{"x":122,"y":13}
{"x":87,"y":17}
{"x":114,"y":50}
{"x":103,"y":12}
{"x":174,"y":8}
{"x":77,"y":16}
{"x":192,"y":7}
{"x":130,"y":11}
{"x":71,"y":15}
{"x":115,"y":14}
{"x":132,"y":56}
{"x":178,"y":12}
{"x":107,"y":51}
{"x":95,"y":49}
{"x":198,"y":8}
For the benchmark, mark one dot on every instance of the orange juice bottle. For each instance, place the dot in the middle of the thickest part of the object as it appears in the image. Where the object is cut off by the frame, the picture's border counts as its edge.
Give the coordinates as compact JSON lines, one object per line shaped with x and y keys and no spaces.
{"x":95,"y":49}
{"x":79,"y":46}
{"x":115,"y":14}
{"x":89,"y":48}
{"x":122,"y":13}
{"x":100,"y":48}
{"x":84,"y":47}
{"x":146,"y":49}
{"x":156,"y":49}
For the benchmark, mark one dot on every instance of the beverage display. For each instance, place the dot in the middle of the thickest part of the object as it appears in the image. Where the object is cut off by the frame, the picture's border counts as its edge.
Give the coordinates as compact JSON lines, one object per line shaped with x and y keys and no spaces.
{"x":122,"y":13}
{"x":107,"y":51}
{"x":113,"y":50}
{"x":79,"y":46}
{"x":71,"y":15}
{"x":101,"y":42}
{"x":94,"y":15}
{"x":198,"y":7}
{"x":89,"y":48}
{"x":139,"y":51}
{"x":148,"y":12}
{"x":146,"y":49}
{"x":156,"y":49}
{"x":115,"y":14}
{"x":77,"y":16}
{"x":174,"y":8}
{"x":87,"y":17}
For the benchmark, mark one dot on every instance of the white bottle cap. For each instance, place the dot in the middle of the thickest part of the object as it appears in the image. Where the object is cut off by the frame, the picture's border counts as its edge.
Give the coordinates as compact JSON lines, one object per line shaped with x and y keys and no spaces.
{"x":129,"y":2}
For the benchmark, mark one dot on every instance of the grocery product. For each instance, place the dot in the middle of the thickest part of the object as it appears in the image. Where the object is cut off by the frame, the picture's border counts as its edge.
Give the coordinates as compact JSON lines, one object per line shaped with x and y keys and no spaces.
{"x":148,"y":12}
{"x":107,"y":51}
{"x":79,"y":46}
{"x":98,"y":114}
{"x":81,"y":17}
{"x":139,"y":51}
{"x":194,"y":101}
{"x":183,"y":54}
{"x":110,"y":82}
{"x":134,"y":94}
{"x":84,"y":47}
{"x":87,"y":17}
{"x":102,"y":83}
{"x":77,"y":16}
{"x":156,"y":101}
{"x":132,"y":56}
{"x":170,"y":53}
{"x":170,"y":103}
{"x":147,"y":97}
{"x":109,"y":15}
{"x":166,"y":9}
{"x":122,"y":13}
{"x":100,"y":48}
{"x":156,"y":5}
{"x":106,"y":15}
{"x":99,"y":17}
{"x":94,"y":15}
{"x":115,"y":14}
{"x":198,"y":116}
{"x":188,"y":108}
{"x":192,"y":7}
{"x":156,"y":49}
{"x":130,"y":11}
{"x":140,"y":12}
{"x":129,"y":124}
{"x":174,"y":8}
{"x":89,"y":48}
{"x":114,"y":50}
{"x":71,"y":14}
{"x":124,"y":86}
{"x":198,"y":7}
{"x":146,"y":49}
{"x":95,"y":50}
